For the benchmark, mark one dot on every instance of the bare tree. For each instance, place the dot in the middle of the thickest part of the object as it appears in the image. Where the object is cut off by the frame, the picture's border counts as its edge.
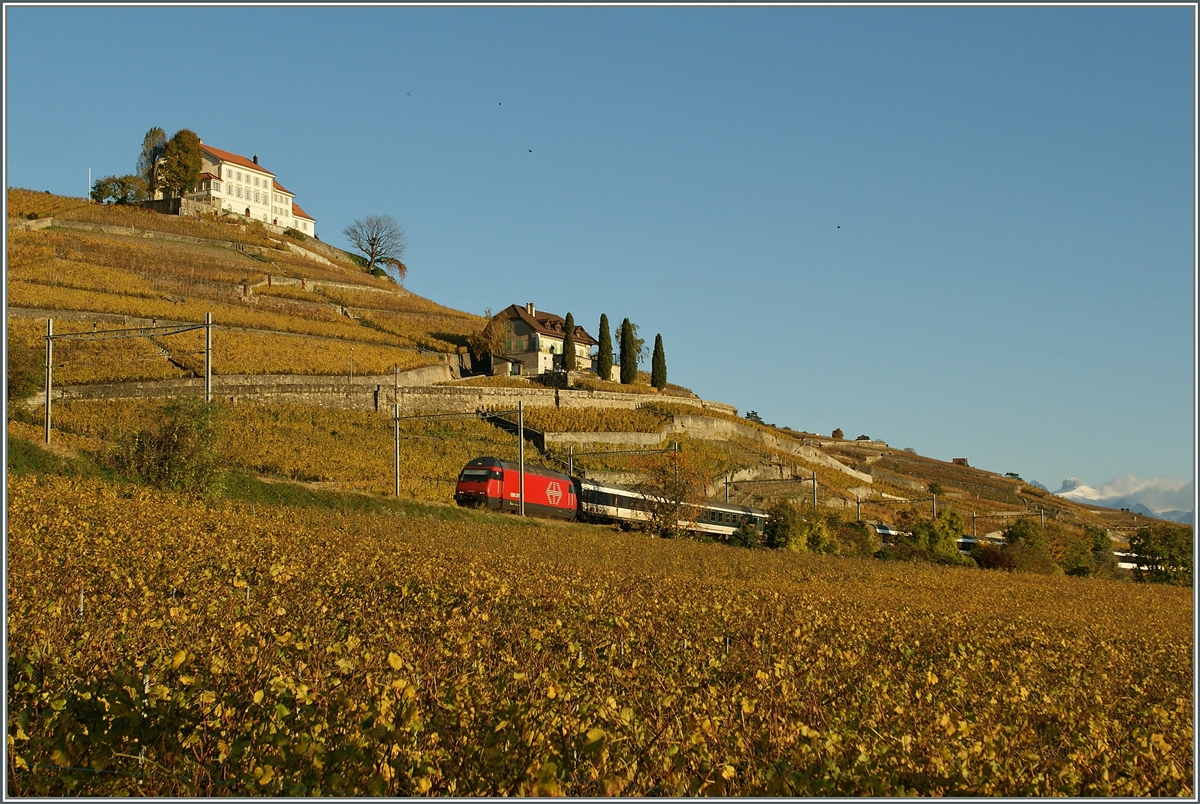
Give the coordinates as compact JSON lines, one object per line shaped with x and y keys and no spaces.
{"x":381,"y":240}
{"x":489,"y":340}
{"x":673,"y":485}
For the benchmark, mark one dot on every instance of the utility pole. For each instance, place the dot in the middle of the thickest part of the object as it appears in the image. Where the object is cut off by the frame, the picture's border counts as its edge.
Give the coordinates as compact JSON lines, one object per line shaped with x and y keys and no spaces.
{"x":521,"y":454}
{"x":351,"y":364}
{"x":857,"y":508}
{"x":726,"y":488}
{"x":675,"y":445}
{"x":814,"y":482}
{"x":208,"y":357}
{"x":570,"y":460}
{"x":973,"y":533}
{"x":935,"y":506}
{"x":1042,"y":514}
{"x":50,"y":362}
{"x":396,"y":426}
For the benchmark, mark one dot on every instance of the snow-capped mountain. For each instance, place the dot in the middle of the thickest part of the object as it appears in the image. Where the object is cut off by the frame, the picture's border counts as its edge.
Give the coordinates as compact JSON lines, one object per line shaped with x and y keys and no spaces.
{"x":1139,"y":496}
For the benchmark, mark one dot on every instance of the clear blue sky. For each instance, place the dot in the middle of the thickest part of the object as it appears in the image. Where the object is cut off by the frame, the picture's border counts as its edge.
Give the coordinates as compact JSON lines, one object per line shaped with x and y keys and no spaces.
{"x":1013,"y":279}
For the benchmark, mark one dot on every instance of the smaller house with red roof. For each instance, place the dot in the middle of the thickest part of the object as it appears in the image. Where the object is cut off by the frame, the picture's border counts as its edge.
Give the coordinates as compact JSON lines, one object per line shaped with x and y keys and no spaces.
{"x":240,"y":186}
{"x":533,"y":342}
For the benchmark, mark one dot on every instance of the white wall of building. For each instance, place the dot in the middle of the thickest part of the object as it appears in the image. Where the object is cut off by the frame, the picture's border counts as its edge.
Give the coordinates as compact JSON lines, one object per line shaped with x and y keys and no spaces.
{"x":250,"y":192}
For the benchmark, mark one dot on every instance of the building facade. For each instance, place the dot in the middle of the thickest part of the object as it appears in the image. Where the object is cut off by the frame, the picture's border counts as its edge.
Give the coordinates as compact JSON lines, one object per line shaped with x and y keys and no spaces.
{"x":241,"y":186}
{"x":533,"y":342}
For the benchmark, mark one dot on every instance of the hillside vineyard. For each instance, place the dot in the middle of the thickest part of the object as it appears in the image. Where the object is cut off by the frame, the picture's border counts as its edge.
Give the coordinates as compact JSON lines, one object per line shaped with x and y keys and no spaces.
{"x":275,"y":593}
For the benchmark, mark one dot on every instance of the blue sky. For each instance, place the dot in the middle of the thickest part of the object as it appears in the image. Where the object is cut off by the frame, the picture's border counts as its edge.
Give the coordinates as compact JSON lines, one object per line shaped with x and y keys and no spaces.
{"x":1013,"y":279}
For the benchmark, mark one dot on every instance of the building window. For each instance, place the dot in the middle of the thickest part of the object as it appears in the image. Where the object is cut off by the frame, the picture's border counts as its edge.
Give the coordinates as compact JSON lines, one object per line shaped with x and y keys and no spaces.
{"x":239,"y":175}
{"x":216,"y":186}
{"x":256,"y":196}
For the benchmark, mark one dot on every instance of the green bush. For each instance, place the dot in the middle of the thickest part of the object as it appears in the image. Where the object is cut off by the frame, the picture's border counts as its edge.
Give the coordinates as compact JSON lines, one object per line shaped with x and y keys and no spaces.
{"x":856,"y":539}
{"x":1031,"y":559}
{"x":785,"y":528}
{"x":936,"y":536}
{"x":1164,"y":554}
{"x":295,"y":234}
{"x":746,"y":536}
{"x":1028,"y":533}
{"x":26,"y":370}
{"x":179,"y":452}
{"x":993,"y":557}
{"x":1104,"y":563}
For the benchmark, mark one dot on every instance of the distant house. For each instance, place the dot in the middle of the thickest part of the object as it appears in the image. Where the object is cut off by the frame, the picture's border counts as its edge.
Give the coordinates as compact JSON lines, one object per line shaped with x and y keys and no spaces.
{"x":240,"y":186}
{"x":533,"y":342}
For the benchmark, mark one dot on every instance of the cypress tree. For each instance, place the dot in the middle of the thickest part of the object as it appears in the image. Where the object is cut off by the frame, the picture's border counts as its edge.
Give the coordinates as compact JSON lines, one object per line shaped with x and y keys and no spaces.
{"x":629,"y":360}
{"x":569,"y":343}
{"x":604,"y":357}
{"x":153,"y":145}
{"x":658,"y":365}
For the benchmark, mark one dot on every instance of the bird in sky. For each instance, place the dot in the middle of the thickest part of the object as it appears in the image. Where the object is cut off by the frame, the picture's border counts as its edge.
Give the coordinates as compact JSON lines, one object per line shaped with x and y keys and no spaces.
{"x":530,"y":150}
{"x":407,"y":93}
{"x":839,"y":227}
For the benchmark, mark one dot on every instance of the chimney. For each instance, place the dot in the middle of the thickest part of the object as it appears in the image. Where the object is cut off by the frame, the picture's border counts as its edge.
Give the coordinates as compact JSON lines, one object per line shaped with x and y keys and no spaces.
{"x":256,"y":159}
{"x":529,"y":308}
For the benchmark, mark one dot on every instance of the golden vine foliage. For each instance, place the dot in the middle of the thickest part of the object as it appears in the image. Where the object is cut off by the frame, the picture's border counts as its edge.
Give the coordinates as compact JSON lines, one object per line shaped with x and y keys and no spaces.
{"x":342,"y":448}
{"x":146,"y":274}
{"x":164,"y":646}
{"x":241,"y":352}
{"x":597,"y":384}
{"x":80,"y":361}
{"x":595,"y":420}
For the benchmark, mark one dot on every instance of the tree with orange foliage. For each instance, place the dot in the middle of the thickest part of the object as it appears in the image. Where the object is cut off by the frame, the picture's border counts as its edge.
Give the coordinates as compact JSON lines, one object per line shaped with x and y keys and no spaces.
{"x":674,"y":488}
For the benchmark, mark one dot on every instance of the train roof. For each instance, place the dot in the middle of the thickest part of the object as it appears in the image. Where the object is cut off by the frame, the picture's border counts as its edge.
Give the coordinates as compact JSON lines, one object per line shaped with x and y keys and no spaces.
{"x":512,"y":466}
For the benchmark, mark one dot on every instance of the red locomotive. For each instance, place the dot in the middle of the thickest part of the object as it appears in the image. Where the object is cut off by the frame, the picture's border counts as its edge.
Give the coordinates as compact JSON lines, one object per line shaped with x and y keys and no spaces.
{"x":495,"y":484}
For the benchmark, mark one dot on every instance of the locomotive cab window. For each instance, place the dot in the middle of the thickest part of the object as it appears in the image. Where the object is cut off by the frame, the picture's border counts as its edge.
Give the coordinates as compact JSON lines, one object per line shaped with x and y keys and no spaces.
{"x":480,"y":474}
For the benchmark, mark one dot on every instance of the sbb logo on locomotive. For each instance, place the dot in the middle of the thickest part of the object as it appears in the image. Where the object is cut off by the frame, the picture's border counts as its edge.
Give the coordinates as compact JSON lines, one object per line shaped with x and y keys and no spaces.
{"x":554,"y":492}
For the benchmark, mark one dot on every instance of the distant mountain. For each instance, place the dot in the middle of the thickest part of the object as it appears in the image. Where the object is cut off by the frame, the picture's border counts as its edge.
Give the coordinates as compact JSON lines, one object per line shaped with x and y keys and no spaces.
{"x":1076,"y":490}
{"x":1033,"y":483}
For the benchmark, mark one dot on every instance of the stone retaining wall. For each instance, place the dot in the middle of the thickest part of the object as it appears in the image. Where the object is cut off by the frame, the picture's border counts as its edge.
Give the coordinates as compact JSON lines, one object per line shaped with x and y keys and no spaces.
{"x":618,"y":439}
{"x":466,"y":398}
{"x":710,"y":428}
{"x":707,"y":427}
{"x":417,"y":393}
{"x":368,"y":392}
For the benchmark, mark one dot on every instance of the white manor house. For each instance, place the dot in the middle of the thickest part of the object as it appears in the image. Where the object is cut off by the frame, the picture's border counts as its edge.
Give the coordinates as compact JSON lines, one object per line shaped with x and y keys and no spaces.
{"x":240,"y":186}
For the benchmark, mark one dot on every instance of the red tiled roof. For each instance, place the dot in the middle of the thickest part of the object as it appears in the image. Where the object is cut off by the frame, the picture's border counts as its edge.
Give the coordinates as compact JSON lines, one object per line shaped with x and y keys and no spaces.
{"x":281,"y":188}
{"x":547,"y":324}
{"x":232,"y":158}
{"x":210,"y":176}
{"x":299,"y":213}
